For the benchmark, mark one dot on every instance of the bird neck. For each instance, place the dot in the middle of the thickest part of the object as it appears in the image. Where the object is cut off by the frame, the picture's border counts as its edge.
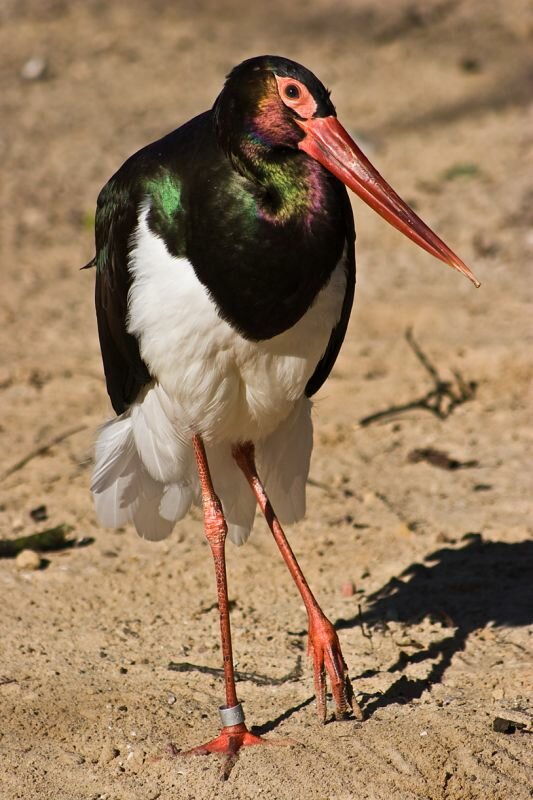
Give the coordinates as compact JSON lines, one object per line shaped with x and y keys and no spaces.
{"x":288,"y":184}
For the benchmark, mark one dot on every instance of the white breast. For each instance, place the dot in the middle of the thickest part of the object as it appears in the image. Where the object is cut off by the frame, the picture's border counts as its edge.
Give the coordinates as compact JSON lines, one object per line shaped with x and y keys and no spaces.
{"x":219,"y":384}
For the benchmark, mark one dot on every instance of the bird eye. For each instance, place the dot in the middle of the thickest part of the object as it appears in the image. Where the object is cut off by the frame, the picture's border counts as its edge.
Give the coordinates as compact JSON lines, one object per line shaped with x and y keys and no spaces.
{"x":296,"y":96}
{"x":292,"y":91}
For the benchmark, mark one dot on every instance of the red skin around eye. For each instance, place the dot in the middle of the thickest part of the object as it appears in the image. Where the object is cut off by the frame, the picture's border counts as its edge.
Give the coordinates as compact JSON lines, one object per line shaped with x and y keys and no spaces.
{"x":305,"y":105}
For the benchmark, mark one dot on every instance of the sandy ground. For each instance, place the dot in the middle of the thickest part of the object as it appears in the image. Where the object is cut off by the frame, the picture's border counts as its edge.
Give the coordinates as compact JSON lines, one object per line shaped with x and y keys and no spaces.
{"x":434,"y":622}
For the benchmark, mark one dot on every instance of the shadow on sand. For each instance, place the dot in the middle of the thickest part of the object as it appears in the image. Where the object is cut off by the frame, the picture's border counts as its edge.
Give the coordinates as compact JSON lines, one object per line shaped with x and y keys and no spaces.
{"x":466,"y":588}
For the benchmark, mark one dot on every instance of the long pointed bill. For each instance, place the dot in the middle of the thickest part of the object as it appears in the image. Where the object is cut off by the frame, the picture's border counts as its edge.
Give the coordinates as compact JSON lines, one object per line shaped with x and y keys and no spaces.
{"x":329,"y":144}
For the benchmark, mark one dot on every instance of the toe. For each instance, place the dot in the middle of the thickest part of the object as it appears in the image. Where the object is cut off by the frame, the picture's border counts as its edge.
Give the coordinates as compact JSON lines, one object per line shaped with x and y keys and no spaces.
{"x":327,"y":657}
{"x":320,"y":683}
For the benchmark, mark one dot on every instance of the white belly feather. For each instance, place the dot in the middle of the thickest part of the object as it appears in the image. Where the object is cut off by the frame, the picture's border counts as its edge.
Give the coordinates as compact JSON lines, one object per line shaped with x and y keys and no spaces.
{"x":208,"y":380}
{"x":223,"y":386}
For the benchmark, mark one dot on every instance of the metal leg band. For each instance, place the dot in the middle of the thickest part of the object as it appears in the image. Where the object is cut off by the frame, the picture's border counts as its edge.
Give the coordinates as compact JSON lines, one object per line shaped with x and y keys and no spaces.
{"x":232,"y":715}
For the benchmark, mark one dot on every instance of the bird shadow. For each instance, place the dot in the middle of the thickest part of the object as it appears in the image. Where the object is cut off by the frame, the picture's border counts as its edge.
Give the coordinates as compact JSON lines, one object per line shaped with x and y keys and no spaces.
{"x":272,"y":724}
{"x":466,"y":589}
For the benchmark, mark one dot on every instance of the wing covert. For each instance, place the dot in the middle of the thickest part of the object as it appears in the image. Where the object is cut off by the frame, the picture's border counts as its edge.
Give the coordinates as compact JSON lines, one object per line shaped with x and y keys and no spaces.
{"x":326,"y":363}
{"x":116,"y":218}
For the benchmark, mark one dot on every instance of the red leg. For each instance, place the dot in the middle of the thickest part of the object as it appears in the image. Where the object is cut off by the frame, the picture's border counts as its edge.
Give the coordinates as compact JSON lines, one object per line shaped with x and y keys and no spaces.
{"x":234,"y":733}
{"x":324,"y":647}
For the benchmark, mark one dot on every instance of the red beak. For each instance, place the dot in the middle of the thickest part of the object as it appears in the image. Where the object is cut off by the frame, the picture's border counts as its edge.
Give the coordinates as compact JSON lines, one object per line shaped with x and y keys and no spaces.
{"x":328,"y":143}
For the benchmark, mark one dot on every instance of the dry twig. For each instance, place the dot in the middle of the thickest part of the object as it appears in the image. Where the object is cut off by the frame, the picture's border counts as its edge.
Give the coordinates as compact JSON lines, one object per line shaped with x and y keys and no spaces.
{"x":41,"y":450}
{"x":441,"y":400}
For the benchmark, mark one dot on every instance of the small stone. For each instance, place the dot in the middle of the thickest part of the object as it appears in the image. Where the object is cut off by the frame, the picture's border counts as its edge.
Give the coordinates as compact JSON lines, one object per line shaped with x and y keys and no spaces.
{"x":348,"y":589}
{"x":70,"y":758}
{"x":470,"y":64}
{"x":34,"y":69}
{"x":28,"y":560}
{"x":108,"y":753}
{"x":369,"y":498}
{"x":39,"y":514}
{"x":502,"y":725}
{"x":404,"y":531}
{"x":171,"y":699}
{"x":135,"y":760}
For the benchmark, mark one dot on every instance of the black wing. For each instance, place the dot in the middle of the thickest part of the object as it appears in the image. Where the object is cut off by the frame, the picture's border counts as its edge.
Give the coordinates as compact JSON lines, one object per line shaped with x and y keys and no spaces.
{"x":151,"y":172}
{"x":325,"y":365}
{"x":116,"y":218}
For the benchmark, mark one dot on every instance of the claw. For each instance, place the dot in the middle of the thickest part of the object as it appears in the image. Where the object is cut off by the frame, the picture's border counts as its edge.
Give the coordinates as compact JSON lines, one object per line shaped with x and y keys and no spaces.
{"x":326,"y":653}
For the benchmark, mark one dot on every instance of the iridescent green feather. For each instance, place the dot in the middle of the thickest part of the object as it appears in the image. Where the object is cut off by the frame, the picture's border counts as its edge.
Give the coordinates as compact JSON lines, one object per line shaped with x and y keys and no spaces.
{"x":166,"y":211}
{"x":165,"y":193}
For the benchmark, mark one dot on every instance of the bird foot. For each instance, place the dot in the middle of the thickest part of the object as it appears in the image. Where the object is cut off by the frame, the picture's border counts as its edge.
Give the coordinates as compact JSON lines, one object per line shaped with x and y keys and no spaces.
{"x":228,"y":744}
{"x":326,"y":654}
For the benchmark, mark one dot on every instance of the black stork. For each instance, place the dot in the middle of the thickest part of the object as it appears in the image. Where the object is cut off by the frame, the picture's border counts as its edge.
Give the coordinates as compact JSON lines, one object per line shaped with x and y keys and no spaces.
{"x":225,"y":275}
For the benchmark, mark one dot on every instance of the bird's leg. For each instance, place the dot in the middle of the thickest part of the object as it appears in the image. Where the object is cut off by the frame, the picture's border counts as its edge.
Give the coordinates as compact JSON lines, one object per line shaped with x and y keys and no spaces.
{"x":234,"y":733}
{"x":324,"y":647}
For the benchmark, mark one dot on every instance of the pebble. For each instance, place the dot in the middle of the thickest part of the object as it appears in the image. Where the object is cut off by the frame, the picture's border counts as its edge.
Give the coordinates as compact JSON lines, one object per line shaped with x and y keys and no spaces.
{"x":135,"y":760}
{"x":348,"y":589}
{"x":34,"y":69}
{"x":503,"y":725}
{"x":171,"y":699}
{"x":109,"y":752}
{"x":39,"y":514}
{"x":524,"y":719}
{"x":69,"y":758}
{"x":405,"y":531}
{"x":369,"y":498}
{"x":28,"y":560}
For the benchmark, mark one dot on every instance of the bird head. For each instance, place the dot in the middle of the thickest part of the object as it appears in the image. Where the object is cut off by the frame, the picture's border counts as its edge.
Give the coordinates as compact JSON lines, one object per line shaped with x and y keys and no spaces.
{"x":270,"y":105}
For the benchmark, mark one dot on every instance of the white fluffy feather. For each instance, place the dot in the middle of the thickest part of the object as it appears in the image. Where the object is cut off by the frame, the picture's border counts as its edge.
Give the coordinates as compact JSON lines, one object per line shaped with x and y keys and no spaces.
{"x":283,"y":461}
